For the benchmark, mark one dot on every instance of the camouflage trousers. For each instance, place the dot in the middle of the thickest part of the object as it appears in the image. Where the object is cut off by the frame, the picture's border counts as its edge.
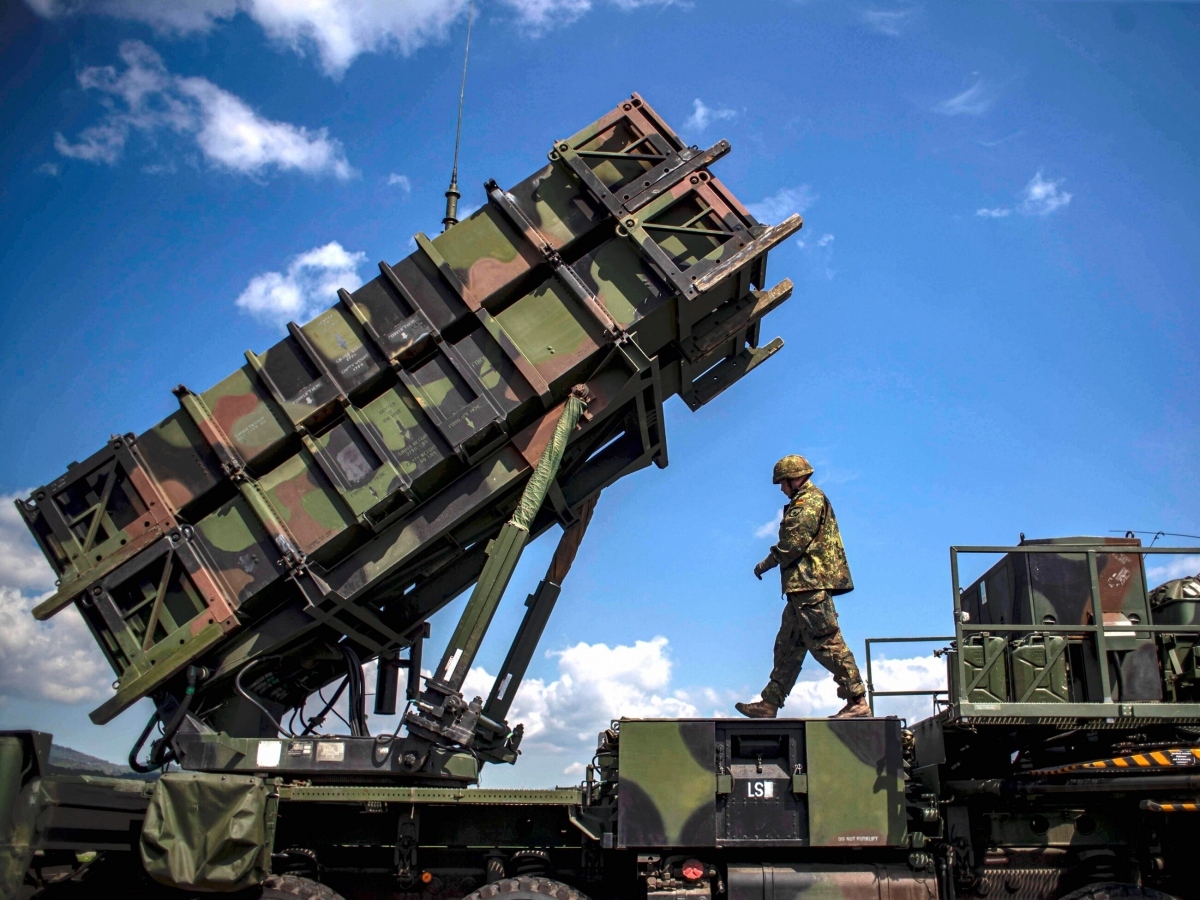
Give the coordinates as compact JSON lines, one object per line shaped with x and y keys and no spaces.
{"x":810,"y":625}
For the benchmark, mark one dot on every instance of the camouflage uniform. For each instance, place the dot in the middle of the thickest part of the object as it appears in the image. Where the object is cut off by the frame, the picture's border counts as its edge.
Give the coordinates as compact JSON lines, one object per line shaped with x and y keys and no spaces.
{"x":813,"y":568}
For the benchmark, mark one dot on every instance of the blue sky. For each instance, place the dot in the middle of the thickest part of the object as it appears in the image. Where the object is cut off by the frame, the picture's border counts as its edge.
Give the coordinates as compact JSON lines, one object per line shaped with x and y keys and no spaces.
{"x":993,"y":330}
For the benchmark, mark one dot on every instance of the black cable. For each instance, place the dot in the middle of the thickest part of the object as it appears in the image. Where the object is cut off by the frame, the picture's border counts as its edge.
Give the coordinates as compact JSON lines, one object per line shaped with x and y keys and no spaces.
{"x":137,"y":747}
{"x":330,"y":705}
{"x":245,"y":695}
{"x":160,"y":751}
{"x":319,"y":719}
{"x":358,"y":693}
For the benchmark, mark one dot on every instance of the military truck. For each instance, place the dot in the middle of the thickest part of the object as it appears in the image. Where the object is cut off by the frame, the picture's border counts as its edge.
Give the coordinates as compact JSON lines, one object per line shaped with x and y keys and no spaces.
{"x":1060,"y":765}
{"x":311,"y":511}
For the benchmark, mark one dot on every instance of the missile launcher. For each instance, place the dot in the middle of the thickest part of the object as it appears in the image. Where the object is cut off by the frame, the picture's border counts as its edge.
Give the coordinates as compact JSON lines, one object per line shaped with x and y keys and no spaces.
{"x":312,"y":510}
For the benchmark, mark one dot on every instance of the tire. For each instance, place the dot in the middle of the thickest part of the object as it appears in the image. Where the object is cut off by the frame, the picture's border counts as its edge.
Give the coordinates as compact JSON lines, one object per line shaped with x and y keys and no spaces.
{"x":526,"y":887}
{"x":1115,"y":890}
{"x":293,"y":887}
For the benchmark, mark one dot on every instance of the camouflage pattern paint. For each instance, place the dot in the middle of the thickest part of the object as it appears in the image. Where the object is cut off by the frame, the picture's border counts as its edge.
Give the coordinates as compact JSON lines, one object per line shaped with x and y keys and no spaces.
{"x":849,"y":787}
{"x":554,"y":203}
{"x":615,"y":275}
{"x":406,"y":432}
{"x":668,"y":786}
{"x":180,"y":461}
{"x":371,"y":448}
{"x":304,"y":499}
{"x":241,"y":410}
{"x":336,"y":345}
{"x":550,"y":330}
{"x":235,"y":540}
{"x":486,"y":254}
{"x":855,"y":783}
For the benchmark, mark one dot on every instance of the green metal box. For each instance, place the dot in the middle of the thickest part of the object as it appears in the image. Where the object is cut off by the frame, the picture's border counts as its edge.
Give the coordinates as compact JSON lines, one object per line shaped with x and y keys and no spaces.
{"x":783,"y":782}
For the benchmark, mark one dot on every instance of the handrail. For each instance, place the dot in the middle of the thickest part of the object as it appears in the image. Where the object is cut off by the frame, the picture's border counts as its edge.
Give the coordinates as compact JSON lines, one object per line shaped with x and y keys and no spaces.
{"x":1099,"y":628}
{"x":872,"y":693}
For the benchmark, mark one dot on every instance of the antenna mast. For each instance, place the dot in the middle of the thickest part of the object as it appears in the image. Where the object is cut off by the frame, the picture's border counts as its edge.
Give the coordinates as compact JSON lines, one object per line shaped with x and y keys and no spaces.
{"x":452,"y":194}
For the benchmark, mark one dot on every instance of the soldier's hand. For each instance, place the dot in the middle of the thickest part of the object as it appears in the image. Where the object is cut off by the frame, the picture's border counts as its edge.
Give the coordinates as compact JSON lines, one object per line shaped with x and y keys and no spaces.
{"x":765,"y":566}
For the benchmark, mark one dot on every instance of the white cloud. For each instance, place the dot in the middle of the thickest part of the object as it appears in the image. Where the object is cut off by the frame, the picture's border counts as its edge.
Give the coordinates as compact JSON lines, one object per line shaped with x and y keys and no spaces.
{"x":341,"y":30}
{"x":596,"y":684}
{"x":55,"y":660}
{"x":234,"y":136}
{"x":769,"y":529}
{"x":819,"y":255}
{"x":309,"y":285}
{"x":167,"y":16}
{"x":145,"y":97}
{"x":1179,"y":567}
{"x":702,"y":116}
{"x":886,"y":21}
{"x":541,"y":15}
{"x":99,"y":143}
{"x":1042,"y":196}
{"x":336,"y":31}
{"x":402,"y":182}
{"x":1004,"y":140}
{"x":782,"y":203}
{"x":974,"y":101}
{"x":919,"y":673}
{"x":48,"y":168}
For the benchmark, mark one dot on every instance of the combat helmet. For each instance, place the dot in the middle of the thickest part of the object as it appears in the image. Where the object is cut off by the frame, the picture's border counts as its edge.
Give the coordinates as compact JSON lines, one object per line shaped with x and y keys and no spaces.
{"x":791,"y":466}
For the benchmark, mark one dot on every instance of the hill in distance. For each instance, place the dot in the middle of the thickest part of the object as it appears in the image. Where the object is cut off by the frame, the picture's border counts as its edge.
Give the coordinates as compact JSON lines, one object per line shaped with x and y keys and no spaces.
{"x":65,"y":761}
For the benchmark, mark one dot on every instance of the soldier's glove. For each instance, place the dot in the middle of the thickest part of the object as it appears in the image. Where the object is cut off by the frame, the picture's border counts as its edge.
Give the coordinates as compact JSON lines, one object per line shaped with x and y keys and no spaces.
{"x":765,"y":566}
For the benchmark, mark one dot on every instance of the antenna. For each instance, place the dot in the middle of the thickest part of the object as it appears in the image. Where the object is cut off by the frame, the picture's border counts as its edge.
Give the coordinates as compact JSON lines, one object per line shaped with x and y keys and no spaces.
{"x":1157,"y":534}
{"x":452,"y":194}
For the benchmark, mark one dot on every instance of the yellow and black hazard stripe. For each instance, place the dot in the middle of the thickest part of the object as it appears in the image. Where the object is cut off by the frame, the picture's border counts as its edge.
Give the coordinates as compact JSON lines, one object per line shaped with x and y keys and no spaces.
{"x":1173,"y":758}
{"x":1173,"y":806}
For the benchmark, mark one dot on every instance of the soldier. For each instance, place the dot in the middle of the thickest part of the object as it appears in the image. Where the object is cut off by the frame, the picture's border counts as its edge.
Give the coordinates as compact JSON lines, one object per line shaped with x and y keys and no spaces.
{"x":813,"y":567}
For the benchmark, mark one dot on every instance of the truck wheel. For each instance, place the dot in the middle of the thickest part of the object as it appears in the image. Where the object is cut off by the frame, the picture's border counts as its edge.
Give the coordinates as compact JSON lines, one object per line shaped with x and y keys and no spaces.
{"x":293,"y":887}
{"x":1115,"y":890}
{"x":526,"y":888}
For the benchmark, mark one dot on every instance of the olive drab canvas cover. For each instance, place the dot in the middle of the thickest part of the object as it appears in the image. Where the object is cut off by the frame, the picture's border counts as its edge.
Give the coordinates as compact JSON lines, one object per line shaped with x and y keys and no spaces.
{"x":209,"y":832}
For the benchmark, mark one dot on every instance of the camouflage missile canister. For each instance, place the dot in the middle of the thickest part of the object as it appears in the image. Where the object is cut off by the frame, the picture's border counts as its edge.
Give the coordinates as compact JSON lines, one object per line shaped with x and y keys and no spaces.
{"x":345,"y":483}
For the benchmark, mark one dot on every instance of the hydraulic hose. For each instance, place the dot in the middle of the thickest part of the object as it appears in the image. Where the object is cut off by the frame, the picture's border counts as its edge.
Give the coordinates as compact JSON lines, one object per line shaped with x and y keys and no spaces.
{"x":358,"y":693}
{"x":247,"y":696}
{"x":162,"y":746}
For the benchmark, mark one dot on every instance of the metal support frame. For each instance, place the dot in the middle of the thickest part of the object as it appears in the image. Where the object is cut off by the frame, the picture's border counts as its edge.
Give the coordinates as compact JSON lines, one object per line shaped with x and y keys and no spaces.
{"x":872,"y":693}
{"x":440,"y":714}
{"x":963,"y":708}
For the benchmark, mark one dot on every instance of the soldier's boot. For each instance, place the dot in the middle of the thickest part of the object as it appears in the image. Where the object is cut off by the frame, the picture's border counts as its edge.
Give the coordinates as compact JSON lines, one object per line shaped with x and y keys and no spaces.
{"x":855,"y":708}
{"x":759,"y":709}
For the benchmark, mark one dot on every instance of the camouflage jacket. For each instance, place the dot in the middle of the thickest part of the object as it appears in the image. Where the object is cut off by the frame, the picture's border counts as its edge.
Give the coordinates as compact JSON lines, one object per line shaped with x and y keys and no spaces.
{"x":810,"y":552}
